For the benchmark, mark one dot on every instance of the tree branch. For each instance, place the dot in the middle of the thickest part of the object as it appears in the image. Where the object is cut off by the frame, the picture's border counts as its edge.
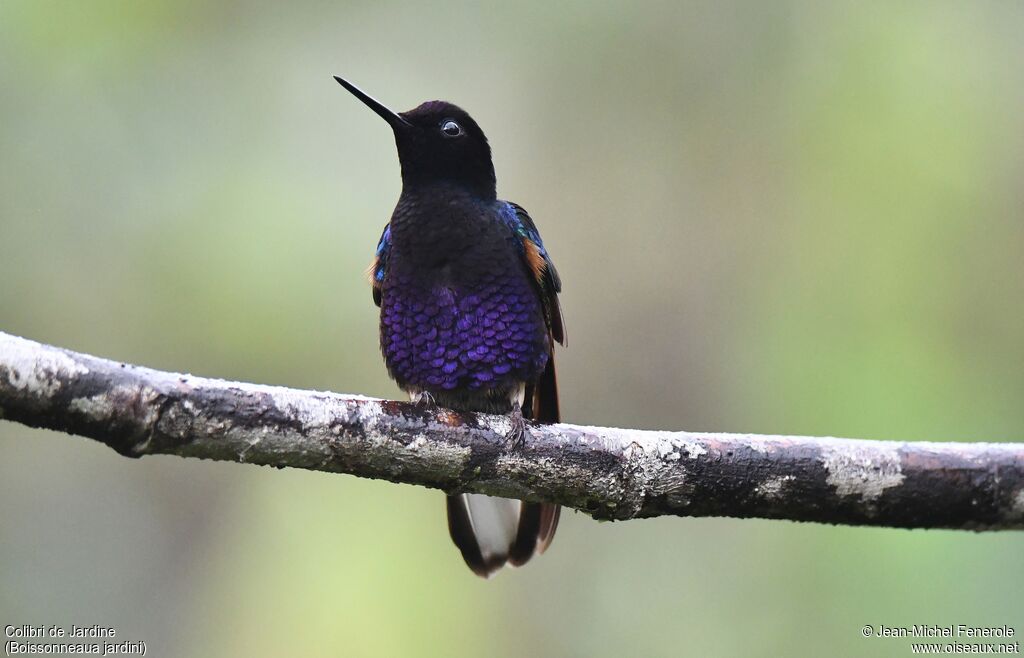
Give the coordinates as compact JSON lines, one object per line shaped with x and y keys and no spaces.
{"x":607,"y":473}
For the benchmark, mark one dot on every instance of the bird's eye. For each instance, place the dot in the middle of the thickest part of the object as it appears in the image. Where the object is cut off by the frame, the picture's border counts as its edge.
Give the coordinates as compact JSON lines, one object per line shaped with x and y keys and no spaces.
{"x":450,"y":128}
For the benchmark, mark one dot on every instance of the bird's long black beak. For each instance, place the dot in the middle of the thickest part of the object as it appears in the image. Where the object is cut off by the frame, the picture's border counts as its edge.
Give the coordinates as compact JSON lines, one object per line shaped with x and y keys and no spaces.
{"x":392,"y":118}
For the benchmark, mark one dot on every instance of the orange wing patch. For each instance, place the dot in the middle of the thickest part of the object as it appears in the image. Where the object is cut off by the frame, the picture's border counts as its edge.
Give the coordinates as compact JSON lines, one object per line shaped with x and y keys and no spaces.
{"x":371,"y":271}
{"x":534,"y":259}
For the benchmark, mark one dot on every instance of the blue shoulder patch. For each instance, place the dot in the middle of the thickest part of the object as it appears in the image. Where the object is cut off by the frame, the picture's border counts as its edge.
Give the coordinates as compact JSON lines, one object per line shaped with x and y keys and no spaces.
{"x":380,"y":259}
{"x":379,"y":264}
{"x":521,"y":223}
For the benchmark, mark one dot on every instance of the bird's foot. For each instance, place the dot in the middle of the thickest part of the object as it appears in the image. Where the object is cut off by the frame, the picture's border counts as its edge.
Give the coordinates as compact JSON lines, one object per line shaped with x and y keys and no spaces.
{"x":424,"y":400}
{"x":516,"y":437}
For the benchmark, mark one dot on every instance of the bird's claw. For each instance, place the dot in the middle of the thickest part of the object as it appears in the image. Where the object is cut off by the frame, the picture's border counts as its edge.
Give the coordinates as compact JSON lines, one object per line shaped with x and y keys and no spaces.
{"x":426,"y":401}
{"x":516,"y":437}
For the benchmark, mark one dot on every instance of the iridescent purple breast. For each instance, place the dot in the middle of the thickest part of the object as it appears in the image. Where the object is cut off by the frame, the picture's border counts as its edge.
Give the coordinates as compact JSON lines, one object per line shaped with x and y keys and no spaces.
{"x":487,"y":334}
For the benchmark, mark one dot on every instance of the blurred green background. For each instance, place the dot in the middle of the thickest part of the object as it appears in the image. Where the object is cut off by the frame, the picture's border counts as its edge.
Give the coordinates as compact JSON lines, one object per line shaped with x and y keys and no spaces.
{"x":769,"y":217}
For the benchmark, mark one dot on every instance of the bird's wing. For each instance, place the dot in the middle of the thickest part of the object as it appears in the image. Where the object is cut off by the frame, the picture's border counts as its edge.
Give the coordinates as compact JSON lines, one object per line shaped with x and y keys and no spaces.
{"x":379,"y":263}
{"x":539,"y":262}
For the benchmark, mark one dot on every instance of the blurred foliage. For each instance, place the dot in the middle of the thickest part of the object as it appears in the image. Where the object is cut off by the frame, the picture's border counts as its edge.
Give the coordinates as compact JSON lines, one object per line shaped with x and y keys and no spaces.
{"x":780,"y":217}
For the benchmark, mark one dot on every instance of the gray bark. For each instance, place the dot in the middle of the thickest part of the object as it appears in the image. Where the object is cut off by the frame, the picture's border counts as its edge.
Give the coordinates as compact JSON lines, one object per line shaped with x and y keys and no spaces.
{"x":608,"y":473}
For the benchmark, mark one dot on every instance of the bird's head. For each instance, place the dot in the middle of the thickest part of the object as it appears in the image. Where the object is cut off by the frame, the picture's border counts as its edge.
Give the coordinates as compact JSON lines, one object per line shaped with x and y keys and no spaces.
{"x":438,"y":142}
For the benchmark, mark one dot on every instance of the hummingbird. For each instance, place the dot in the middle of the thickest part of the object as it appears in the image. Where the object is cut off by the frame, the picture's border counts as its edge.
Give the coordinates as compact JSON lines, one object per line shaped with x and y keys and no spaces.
{"x":469,"y":310}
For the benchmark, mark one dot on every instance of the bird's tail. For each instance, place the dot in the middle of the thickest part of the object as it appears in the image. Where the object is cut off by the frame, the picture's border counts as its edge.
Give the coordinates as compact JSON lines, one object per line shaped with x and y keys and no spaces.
{"x":491,"y":532}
